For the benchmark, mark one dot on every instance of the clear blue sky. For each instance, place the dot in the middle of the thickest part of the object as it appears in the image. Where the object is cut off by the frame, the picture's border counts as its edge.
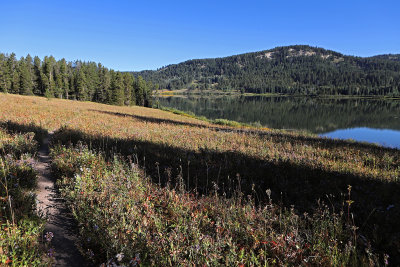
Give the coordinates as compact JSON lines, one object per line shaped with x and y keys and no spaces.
{"x":137,"y":35}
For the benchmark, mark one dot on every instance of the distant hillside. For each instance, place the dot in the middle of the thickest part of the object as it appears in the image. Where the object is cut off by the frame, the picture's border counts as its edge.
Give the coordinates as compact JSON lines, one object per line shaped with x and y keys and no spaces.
{"x":298,"y":69}
{"x":394,"y":57}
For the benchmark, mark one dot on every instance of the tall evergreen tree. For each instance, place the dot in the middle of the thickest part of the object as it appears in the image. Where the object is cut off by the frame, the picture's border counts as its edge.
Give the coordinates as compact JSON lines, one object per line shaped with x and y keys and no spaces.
{"x":148,"y":95}
{"x":29,"y":65}
{"x":11,"y":81}
{"x":103,"y":89}
{"x":128,"y":89}
{"x":140,"y":89}
{"x":25,"y":79}
{"x":63,"y":81}
{"x":117,"y":89}
{"x":3,"y":73}
{"x":80,"y":85}
{"x":47,"y":76}
{"x":37,"y":76}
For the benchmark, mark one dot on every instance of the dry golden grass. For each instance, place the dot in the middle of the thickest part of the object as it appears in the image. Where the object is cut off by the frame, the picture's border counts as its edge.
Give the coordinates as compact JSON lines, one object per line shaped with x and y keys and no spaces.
{"x":192,"y":135}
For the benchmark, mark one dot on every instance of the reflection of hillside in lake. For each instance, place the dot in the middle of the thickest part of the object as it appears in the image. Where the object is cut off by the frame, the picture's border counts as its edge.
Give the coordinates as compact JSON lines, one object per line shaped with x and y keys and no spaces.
{"x":317,"y":115}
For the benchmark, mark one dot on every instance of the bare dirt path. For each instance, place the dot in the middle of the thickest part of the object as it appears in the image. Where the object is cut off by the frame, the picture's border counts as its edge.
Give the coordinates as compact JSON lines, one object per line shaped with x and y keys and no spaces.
{"x":59,"y":220}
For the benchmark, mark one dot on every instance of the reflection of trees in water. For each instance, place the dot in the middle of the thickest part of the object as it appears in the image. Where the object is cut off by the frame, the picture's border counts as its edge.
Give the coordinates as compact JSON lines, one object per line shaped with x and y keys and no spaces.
{"x":313,"y":114}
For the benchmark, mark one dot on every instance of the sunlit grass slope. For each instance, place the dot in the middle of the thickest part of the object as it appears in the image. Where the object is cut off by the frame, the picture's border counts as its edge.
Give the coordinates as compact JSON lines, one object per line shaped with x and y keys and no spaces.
{"x":195,"y":136}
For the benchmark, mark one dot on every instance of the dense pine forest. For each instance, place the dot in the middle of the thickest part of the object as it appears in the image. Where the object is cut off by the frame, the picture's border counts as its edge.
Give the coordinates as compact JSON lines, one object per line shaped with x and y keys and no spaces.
{"x":85,"y":81}
{"x":296,"y":69}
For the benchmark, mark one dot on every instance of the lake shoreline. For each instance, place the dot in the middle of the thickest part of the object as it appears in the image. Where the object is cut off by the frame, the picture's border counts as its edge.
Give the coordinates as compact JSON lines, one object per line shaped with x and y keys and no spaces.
{"x":310,"y":115}
{"x":186,"y":92}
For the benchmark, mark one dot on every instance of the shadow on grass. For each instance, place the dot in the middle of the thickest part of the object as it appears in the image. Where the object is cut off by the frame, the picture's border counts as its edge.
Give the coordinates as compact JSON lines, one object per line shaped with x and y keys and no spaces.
{"x":149,"y":119}
{"x":291,"y":184}
{"x":314,"y":141}
{"x":13,"y":127}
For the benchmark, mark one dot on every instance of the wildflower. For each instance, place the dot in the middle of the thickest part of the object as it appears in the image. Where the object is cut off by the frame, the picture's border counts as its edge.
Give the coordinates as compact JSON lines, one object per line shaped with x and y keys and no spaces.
{"x":50,"y":253}
{"x":119,"y":256}
{"x":96,"y":227}
{"x":386,"y":259}
{"x":268,"y":191}
{"x":49,"y":236}
{"x":90,"y":253}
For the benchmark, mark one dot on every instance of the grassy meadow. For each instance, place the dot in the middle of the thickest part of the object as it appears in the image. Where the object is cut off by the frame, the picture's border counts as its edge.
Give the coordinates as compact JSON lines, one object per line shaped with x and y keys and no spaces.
{"x":152,"y":187}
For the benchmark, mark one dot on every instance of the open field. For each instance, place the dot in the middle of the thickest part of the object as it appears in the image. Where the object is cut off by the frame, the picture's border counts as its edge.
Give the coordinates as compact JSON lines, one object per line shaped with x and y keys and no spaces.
{"x":225,"y":164}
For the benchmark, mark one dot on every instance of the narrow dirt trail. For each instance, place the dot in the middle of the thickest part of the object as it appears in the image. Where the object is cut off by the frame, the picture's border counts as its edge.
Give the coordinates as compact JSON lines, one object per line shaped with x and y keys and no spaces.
{"x":59,"y":220}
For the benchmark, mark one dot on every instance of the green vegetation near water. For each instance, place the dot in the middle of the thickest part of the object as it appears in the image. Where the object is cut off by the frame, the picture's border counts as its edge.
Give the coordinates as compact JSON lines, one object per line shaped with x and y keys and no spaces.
{"x":224,"y":122}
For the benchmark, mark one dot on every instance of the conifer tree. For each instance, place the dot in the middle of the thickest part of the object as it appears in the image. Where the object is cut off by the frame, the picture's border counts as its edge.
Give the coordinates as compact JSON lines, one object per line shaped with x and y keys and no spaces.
{"x":128,"y":88}
{"x":81,"y":87}
{"x":117,"y":89}
{"x":47,"y":76}
{"x":3,"y":73}
{"x":103,"y":89}
{"x":37,"y":76}
{"x":140,"y":88}
{"x":25,"y":79}
{"x":11,"y":80}
{"x":148,"y":95}
{"x":63,"y":82}
{"x":15,"y":77}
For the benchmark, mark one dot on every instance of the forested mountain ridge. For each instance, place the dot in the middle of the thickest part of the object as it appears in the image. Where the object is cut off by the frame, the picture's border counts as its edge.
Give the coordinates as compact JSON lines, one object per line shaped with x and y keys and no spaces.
{"x":298,"y":69}
{"x":395,"y":57}
{"x":85,"y":81}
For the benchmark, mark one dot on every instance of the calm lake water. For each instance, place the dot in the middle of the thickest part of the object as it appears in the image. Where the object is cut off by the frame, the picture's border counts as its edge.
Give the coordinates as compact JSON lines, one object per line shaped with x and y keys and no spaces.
{"x":369,"y":120}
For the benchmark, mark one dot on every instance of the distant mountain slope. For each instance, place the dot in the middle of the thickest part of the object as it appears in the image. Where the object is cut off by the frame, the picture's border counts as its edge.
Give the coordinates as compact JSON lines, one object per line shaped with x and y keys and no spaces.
{"x":394,"y":57}
{"x":298,"y":69}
